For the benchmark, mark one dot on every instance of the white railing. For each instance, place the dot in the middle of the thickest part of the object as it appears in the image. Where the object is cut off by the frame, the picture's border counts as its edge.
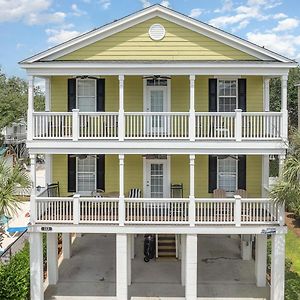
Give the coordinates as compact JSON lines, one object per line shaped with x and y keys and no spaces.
{"x":99,"y":210}
{"x":54,"y":125}
{"x":215,"y":125}
{"x":214,"y":211}
{"x":156,"y":211}
{"x":54,"y":210}
{"x":237,"y":125}
{"x":261,"y":125}
{"x":149,"y":125}
{"x":98,"y":125}
{"x":260,"y":211}
{"x":228,"y":211}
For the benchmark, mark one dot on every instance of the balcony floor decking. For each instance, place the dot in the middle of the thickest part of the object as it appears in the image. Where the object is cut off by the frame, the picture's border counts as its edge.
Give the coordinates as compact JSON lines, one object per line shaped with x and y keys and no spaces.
{"x":221,"y":272}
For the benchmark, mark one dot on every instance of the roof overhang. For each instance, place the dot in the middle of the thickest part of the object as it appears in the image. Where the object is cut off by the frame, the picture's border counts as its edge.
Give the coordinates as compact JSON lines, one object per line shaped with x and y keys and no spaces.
{"x":148,"y":13}
{"x":98,"y":68}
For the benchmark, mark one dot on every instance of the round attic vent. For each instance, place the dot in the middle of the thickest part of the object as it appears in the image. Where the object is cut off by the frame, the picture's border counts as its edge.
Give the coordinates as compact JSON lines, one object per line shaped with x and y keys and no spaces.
{"x":157,"y":32}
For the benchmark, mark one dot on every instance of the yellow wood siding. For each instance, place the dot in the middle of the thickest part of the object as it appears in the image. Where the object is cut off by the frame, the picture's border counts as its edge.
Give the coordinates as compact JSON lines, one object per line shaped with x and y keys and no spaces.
{"x":179,"y":43}
{"x":133,"y":93}
{"x":179,"y":173}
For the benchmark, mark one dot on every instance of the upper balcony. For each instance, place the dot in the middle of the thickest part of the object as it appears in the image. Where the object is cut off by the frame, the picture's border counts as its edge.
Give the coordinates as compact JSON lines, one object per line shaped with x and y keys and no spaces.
{"x":205,"y":126}
{"x":142,"y":114}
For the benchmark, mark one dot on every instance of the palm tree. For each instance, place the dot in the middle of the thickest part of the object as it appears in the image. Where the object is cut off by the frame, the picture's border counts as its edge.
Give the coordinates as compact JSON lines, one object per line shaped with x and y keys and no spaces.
{"x":287,"y":188}
{"x":11,"y":179}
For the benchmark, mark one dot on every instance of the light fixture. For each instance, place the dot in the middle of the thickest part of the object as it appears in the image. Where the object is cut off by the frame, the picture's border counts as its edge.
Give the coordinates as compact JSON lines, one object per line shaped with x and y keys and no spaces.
{"x":272,"y":157}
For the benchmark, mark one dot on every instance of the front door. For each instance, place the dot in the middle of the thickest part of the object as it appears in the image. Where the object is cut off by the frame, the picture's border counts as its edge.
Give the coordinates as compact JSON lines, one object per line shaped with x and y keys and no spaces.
{"x":156,"y":179}
{"x":156,"y":102}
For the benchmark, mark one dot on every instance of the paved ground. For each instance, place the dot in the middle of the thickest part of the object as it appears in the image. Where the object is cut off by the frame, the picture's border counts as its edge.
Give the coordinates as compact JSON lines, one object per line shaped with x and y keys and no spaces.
{"x":91,"y":272}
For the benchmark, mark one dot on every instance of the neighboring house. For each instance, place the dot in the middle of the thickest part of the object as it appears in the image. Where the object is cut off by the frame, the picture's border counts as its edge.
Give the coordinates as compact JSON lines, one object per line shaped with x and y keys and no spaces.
{"x":9,"y":155}
{"x":14,"y":136}
{"x":153,"y":99}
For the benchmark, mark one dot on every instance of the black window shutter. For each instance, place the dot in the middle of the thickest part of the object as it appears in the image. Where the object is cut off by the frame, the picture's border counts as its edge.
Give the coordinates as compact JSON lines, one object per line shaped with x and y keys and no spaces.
{"x":71,"y":94}
{"x":101,"y":94}
{"x":212,"y":170}
{"x":242,"y":172}
{"x":242,"y":94}
{"x":213,"y":94}
{"x":71,"y":174}
{"x":101,"y":172}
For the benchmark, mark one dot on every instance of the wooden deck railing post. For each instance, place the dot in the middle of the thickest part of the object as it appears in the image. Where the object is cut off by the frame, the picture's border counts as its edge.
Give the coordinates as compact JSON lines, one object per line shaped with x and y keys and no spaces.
{"x":237,"y":210}
{"x":75,"y":124}
{"x":238,"y":125}
{"x":76,"y":209}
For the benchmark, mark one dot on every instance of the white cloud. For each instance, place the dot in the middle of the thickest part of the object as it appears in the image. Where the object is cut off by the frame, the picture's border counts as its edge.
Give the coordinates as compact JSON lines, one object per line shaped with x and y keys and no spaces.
{"x":286,"y":44}
{"x":105,"y":4}
{"x":29,"y":11}
{"x":40,"y":82}
{"x":280,"y":16}
{"x":227,"y":6}
{"x":145,"y":3}
{"x":287,"y":24}
{"x":76,"y":11}
{"x":165,"y":3}
{"x":243,"y":14}
{"x":196,"y":12}
{"x":57,"y":36}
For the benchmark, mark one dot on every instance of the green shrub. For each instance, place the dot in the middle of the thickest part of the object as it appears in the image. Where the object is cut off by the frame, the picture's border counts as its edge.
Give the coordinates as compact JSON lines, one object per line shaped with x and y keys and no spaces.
{"x":15,"y":277}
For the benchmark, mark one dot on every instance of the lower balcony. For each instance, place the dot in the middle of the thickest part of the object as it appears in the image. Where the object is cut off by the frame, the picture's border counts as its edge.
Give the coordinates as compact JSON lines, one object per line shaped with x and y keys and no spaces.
{"x":235,"y":211}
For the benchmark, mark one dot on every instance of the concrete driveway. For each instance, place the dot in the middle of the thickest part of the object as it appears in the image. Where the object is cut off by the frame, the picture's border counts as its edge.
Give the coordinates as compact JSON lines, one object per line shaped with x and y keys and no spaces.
{"x":90,"y":273}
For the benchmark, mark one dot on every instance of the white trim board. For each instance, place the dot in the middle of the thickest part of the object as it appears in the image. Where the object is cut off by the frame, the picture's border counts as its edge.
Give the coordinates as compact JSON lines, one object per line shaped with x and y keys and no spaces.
{"x":148,"y":13}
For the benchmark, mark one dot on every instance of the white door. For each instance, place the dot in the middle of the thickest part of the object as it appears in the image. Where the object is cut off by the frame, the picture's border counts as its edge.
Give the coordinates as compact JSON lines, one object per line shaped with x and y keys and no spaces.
{"x":156,"y":181}
{"x":156,"y":102}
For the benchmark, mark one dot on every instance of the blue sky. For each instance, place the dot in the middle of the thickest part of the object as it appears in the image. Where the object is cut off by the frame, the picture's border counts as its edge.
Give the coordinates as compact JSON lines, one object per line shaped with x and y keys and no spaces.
{"x":30,"y":26}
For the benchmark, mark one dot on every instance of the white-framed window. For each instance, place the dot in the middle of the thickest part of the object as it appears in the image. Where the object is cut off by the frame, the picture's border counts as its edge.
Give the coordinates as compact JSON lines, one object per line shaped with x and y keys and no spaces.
{"x":227,"y":175}
{"x":86,"y":95}
{"x":157,"y":82}
{"x":86,"y":175}
{"x":227,"y":95}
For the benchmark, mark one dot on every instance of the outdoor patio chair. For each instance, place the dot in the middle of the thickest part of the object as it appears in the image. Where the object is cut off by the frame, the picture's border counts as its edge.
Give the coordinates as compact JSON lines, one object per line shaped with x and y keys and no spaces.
{"x":53,"y":190}
{"x":241,"y":192}
{"x":135,"y":193}
{"x":219,"y":193}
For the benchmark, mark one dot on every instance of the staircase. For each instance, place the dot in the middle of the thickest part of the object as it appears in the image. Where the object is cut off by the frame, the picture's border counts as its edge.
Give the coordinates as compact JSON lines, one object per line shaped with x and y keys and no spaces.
{"x":166,"y":246}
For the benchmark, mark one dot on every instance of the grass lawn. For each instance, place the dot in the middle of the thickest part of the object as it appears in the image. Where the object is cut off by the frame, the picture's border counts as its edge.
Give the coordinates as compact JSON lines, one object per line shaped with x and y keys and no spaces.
{"x":293,"y":250}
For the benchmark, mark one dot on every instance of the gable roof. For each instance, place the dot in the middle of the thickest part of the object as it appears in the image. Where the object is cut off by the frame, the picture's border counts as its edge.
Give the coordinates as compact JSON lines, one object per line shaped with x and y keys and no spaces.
{"x":157,"y":10}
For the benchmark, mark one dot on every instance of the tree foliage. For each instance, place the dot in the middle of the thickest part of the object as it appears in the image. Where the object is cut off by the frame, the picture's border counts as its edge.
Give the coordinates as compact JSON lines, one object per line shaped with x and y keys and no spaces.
{"x":287,"y":188}
{"x":15,"y":277}
{"x":275,"y":95}
{"x":14,"y":99}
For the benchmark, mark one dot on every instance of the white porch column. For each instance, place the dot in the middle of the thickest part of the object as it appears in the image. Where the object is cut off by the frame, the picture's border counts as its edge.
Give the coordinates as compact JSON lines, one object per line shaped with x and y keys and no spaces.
{"x":48,"y":94}
{"x":129,"y":239}
{"x":246,"y":247}
{"x":30,"y":108}
{"x":121,"y":190}
{"x":191,"y":267}
{"x":298,"y":85}
{"x":36,"y":266}
{"x":183,"y":258}
{"x":52,"y":257}
{"x":261,"y":260}
{"x":66,"y":245}
{"x":192,"y":206}
{"x":281,"y":163}
{"x":282,"y":207}
{"x":48,"y":169}
{"x":33,"y":188}
{"x":266,"y":94}
{"x":284,"y":110}
{"x":121,"y":125}
{"x":121,"y":267}
{"x":192,"y":122}
{"x":277,"y":267}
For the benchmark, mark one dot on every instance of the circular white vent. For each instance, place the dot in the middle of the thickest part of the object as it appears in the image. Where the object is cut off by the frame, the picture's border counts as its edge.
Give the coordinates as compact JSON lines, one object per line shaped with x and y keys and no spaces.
{"x":157,"y":32}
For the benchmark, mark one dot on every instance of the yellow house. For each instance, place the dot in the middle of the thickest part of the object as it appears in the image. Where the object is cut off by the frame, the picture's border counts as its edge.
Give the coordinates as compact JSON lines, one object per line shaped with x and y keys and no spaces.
{"x":158,"y":124}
